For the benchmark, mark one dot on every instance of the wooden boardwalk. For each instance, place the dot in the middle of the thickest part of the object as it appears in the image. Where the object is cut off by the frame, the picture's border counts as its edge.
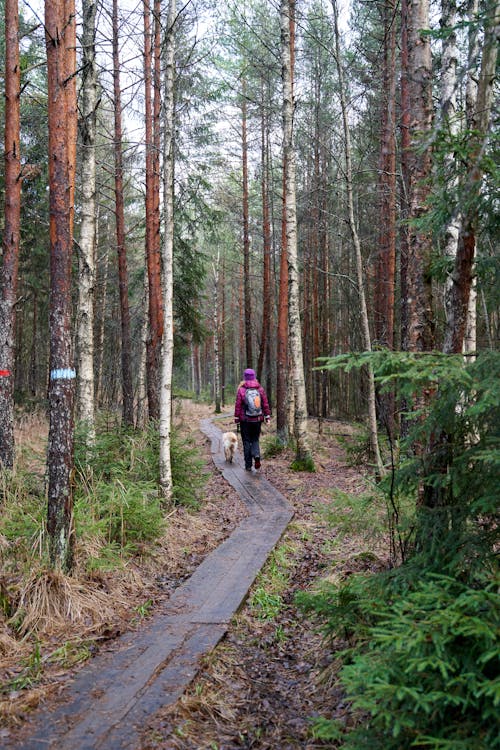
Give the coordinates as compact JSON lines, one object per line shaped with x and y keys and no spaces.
{"x":107,"y":706}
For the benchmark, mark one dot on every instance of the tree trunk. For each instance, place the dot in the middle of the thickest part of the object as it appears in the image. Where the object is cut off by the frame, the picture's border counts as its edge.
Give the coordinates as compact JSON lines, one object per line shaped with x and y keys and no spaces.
{"x":216,"y":335}
{"x":387,"y":187}
{"x":60,"y":36}
{"x":386,"y":265}
{"x":404,"y":232}
{"x":461,"y":279}
{"x":126,"y":341}
{"x":282,"y":422}
{"x":86,"y":254}
{"x":102,"y":285}
{"x":246,"y":233}
{"x":303,"y":457}
{"x":420,"y":333}
{"x":11,"y":233}
{"x":372,"y":416}
{"x":266,"y":245}
{"x":151,"y":234}
{"x":168,"y":250}
{"x":141,"y":410}
{"x":222,"y":335}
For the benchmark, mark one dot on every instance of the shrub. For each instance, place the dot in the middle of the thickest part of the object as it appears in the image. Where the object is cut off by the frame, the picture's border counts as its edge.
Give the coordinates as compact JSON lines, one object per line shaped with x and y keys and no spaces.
{"x":425,"y":672}
{"x":422,"y":659}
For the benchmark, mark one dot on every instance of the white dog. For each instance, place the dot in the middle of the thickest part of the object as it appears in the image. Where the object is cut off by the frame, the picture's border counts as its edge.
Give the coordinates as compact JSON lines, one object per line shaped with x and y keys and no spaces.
{"x":230,"y":442}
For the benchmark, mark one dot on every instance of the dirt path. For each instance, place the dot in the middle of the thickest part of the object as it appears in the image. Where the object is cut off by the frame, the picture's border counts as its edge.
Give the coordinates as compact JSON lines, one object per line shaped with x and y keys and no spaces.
{"x":272,"y":674}
{"x":107,"y":705}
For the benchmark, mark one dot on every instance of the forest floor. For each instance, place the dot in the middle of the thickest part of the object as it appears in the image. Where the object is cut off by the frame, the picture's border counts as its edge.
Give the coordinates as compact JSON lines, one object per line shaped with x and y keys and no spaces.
{"x":272,"y":674}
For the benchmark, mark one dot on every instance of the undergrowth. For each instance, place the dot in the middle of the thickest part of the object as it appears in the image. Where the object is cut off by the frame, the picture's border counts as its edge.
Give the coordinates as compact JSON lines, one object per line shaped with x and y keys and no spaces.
{"x":419,"y":643}
{"x":117,"y":508}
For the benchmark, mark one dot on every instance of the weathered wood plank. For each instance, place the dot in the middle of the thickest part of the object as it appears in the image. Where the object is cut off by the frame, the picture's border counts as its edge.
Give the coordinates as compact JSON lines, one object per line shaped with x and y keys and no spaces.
{"x":107,"y":705}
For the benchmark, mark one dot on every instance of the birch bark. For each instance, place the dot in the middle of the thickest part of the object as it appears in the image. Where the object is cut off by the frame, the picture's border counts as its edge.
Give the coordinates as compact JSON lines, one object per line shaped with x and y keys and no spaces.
{"x":418,"y":302}
{"x":86,"y":249}
{"x":166,"y":486}
{"x":458,"y":304}
{"x":303,"y":457}
{"x":59,"y":36}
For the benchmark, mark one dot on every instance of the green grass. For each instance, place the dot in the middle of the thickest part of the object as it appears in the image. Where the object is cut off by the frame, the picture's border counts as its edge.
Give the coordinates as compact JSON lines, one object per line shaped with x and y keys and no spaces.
{"x":266,"y":600}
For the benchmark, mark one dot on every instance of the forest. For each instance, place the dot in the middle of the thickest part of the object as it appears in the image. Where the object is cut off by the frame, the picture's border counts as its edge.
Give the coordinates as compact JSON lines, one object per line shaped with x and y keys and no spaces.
{"x":307,"y":188}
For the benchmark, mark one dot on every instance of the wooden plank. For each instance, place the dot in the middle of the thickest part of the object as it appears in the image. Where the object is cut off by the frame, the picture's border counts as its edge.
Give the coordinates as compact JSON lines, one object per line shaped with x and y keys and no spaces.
{"x":107,"y":705}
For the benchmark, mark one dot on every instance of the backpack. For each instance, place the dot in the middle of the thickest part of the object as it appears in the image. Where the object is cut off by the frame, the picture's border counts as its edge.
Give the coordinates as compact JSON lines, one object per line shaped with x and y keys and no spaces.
{"x":253,"y":405}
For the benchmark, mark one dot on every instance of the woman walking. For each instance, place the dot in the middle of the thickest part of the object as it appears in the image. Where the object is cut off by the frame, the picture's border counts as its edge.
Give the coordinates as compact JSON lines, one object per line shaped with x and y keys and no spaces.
{"x":250,"y":410}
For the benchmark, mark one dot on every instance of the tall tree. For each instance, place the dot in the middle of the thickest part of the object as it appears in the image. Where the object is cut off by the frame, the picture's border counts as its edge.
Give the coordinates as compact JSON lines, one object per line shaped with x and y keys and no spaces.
{"x":126,"y":341}
{"x":282,"y":422}
{"x":246,"y":230}
{"x":386,"y":267}
{"x":60,"y":39}
{"x":265,"y":349}
{"x":405,"y":119}
{"x":11,"y":233}
{"x":419,"y":335}
{"x":303,"y":458}
{"x":86,"y":247}
{"x":151,"y":235}
{"x":217,"y":331}
{"x":357,"y":246}
{"x":478,"y":126}
{"x":167,"y":255}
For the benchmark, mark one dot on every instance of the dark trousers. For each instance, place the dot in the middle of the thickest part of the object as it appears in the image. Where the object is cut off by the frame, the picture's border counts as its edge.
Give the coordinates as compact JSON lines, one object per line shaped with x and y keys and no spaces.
{"x":250,"y":433}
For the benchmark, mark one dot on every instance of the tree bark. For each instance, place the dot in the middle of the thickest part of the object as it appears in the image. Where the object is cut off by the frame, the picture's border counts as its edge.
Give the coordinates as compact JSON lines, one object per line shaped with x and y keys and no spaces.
{"x":217,"y":389}
{"x":59,"y":36}
{"x":246,"y":232}
{"x":462,"y":276}
{"x":166,"y":486}
{"x":151,"y":234}
{"x":11,"y":233}
{"x":420,"y":329}
{"x":86,"y":254}
{"x":266,"y":245}
{"x":385,"y":283}
{"x":303,"y":457}
{"x":404,"y":232}
{"x":126,"y":341}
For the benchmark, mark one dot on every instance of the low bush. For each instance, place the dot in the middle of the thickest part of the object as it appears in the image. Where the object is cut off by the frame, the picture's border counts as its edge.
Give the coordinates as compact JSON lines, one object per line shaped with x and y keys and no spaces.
{"x":419,"y":644}
{"x":423,"y":670}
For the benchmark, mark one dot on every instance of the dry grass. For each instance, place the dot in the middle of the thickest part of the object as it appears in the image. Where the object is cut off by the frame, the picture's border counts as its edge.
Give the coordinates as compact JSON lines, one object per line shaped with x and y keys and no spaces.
{"x":50,"y":600}
{"x":46,"y":613}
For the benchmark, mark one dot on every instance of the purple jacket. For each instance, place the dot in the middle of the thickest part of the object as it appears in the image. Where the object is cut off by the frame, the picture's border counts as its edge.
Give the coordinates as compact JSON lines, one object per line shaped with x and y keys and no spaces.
{"x":239,"y":407}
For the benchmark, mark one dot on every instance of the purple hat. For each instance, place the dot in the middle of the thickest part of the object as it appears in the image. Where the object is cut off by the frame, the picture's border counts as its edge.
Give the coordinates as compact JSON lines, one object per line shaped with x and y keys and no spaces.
{"x":249,"y":374}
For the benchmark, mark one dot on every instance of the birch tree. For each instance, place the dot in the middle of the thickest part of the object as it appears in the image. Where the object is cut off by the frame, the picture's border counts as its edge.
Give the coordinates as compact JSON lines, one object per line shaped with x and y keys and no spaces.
{"x":86,"y":248}
{"x":419,"y":333}
{"x":154,"y":307}
{"x":372,"y":415}
{"x":303,"y":458}
{"x":167,"y":257}
{"x":60,"y":39}
{"x":461,"y":282}
{"x":11,"y":233}
{"x":265,"y":339}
